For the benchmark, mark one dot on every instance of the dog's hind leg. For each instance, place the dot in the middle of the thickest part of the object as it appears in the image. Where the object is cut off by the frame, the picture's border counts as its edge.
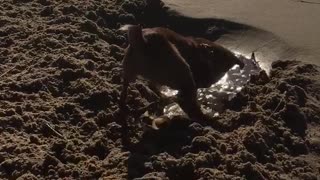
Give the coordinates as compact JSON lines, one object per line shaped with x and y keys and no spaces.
{"x":187,"y":100}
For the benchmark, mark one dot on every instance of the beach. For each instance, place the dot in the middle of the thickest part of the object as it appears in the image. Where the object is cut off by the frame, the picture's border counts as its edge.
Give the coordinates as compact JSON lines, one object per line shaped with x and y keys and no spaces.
{"x":286,"y":29}
{"x":61,"y":78}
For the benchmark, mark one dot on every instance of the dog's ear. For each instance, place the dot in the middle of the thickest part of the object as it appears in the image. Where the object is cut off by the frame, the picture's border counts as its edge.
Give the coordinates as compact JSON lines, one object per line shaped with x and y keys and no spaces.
{"x":125,"y":28}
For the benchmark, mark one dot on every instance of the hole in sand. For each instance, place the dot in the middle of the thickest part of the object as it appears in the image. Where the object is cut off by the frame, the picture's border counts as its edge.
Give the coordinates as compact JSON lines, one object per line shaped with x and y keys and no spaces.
{"x":212,"y":99}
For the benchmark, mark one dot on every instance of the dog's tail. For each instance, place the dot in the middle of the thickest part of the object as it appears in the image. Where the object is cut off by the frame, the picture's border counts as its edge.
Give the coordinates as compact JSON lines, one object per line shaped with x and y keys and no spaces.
{"x":135,"y":36}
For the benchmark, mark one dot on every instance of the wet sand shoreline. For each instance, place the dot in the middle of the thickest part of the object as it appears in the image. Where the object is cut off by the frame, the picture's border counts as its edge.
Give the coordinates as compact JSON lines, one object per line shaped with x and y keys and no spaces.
{"x":293,"y":22}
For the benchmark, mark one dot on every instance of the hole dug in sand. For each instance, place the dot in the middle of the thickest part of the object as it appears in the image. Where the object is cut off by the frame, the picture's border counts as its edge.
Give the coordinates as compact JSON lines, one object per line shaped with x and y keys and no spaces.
{"x":212,"y":99}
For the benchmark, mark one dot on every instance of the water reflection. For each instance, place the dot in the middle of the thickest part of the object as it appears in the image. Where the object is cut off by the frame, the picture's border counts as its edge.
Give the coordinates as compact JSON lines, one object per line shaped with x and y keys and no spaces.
{"x":212,"y":99}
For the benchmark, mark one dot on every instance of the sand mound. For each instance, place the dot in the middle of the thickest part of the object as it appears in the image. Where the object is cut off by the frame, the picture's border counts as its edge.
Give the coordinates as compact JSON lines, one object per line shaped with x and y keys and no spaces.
{"x":60,"y":76}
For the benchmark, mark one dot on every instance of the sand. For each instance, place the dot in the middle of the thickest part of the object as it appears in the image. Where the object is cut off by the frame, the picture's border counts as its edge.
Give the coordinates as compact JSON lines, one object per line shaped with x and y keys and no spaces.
{"x":60,"y":80}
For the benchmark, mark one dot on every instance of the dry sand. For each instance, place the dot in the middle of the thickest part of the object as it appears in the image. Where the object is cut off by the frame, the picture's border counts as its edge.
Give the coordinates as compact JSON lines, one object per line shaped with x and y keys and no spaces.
{"x":60,"y":76}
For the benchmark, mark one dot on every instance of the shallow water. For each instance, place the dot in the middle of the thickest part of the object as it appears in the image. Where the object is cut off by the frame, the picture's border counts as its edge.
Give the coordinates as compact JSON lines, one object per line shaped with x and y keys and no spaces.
{"x":212,"y":99}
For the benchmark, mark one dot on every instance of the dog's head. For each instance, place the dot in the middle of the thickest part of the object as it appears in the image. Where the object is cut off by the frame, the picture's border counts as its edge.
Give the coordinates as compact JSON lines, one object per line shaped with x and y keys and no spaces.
{"x":134,"y":33}
{"x":224,"y":59}
{"x":239,"y":62}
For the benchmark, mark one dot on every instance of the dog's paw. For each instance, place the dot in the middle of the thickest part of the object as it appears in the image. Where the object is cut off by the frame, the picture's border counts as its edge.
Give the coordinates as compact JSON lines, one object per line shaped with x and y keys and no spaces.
{"x":156,"y":123}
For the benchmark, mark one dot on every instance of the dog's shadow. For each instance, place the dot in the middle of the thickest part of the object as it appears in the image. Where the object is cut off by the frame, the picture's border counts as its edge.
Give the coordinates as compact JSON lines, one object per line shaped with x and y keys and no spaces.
{"x":175,"y":139}
{"x":171,"y":140}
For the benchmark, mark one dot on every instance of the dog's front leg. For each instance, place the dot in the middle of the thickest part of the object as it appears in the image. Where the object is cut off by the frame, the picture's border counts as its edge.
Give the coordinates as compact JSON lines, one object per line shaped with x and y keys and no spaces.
{"x":128,"y":76}
{"x":123,"y":95}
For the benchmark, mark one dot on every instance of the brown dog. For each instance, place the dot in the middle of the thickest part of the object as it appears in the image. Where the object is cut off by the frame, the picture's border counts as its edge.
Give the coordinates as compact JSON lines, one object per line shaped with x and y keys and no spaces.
{"x":183,"y":63}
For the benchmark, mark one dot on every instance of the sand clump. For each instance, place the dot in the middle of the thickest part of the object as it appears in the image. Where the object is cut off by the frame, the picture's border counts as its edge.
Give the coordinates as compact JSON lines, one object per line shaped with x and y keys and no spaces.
{"x":60,"y":69}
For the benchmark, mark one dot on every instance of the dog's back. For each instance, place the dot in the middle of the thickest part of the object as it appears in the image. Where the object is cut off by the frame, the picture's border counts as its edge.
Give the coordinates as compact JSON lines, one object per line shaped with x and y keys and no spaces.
{"x":208,"y":61}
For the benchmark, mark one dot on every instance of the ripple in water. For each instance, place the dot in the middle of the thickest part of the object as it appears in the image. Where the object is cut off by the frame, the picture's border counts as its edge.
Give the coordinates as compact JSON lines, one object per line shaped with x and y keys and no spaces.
{"x":212,"y":99}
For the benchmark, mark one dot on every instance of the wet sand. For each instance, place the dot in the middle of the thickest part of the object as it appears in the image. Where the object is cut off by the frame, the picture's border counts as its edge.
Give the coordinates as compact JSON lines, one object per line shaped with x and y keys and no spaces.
{"x":294,"y":22}
{"x":60,"y":81}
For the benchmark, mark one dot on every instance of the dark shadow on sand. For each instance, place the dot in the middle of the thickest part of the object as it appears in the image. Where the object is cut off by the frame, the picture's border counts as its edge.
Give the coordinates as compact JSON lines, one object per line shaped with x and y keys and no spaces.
{"x":157,"y":14}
